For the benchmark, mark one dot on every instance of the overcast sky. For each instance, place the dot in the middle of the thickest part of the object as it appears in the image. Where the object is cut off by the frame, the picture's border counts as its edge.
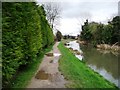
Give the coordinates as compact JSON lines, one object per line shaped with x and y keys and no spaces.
{"x":75,"y":12}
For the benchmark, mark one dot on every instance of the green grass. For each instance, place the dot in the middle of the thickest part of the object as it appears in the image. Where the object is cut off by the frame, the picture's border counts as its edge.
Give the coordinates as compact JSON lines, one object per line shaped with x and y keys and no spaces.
{"x":78,"y":73}
{"x":23,"y":78}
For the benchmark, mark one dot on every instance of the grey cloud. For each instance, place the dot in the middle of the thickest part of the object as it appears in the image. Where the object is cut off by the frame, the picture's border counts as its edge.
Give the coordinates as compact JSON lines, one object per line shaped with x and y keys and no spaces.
{"x":86,"y":9}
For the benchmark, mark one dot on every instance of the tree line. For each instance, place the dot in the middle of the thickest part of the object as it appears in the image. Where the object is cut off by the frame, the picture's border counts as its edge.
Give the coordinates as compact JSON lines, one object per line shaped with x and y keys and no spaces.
{"x":98,"y":33}
{"x":25,"y":34}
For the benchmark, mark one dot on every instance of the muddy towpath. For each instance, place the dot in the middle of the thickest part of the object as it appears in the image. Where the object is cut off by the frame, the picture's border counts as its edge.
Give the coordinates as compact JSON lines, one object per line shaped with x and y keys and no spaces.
{"x":48,"y":75}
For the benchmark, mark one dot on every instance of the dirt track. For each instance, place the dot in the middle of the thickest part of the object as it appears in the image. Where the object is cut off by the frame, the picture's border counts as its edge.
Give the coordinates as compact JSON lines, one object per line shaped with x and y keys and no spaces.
{"x":48,"y":75}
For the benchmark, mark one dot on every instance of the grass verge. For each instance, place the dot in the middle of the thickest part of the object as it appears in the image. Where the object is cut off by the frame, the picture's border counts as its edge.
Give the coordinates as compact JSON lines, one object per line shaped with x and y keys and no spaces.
{"x":78,"y":73}
{"x":24,"y":76}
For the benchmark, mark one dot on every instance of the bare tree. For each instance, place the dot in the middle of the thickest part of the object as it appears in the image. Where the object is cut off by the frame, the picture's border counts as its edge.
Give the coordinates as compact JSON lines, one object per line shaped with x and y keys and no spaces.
{"x":53,"y":11}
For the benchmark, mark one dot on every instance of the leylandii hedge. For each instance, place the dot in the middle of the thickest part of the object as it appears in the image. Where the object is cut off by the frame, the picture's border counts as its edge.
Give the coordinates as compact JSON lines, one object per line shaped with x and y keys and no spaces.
{"x":25,"y":31}
{"x":47,"y":34}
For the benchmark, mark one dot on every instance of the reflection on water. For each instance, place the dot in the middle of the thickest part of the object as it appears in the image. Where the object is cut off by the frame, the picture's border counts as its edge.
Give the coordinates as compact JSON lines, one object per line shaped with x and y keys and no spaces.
{"x":75,"y":46}
{"x":108,"y":51}
{"x":104,"y":73}
{"x":80,"y":57}
{"x":42,"y":75}
{"x":105,"y":63}
{"x":56,"y":57}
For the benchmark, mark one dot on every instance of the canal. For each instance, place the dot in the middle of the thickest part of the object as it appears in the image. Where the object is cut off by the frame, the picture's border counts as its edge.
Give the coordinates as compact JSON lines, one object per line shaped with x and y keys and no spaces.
{"x":104,"y":62}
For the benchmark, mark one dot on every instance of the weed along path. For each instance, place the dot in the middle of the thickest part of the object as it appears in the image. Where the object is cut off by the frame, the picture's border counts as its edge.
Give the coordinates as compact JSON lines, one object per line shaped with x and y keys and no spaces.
{"x":48,"y":75}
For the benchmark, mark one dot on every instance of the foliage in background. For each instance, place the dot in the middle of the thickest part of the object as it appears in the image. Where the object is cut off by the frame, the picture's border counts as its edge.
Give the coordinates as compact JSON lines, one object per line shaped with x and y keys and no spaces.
{"x":58,"y":35}
{"x":98,"y":33}
{"x":25,"y":32}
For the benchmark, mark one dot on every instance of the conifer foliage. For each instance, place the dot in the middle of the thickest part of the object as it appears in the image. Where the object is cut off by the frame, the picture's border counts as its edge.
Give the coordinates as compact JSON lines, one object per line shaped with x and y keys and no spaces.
{"x":25,"y":33}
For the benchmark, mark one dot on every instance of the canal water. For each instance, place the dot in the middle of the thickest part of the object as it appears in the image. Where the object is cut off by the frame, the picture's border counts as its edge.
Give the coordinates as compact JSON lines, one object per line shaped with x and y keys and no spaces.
{"x":104,"y":62}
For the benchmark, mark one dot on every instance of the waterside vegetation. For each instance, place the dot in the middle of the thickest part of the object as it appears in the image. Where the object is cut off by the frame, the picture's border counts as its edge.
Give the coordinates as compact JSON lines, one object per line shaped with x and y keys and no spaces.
{"x":104,"y":36}
{"x":77,"y":72}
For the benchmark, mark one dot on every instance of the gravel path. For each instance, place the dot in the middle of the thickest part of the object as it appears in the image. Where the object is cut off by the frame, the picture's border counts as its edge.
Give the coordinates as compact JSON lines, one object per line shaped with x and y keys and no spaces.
{"x":48,"y":75}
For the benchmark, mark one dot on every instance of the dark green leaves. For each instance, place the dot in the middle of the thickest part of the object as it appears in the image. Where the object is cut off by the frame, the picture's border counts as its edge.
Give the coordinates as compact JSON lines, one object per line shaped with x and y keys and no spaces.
{"x":98,"y":33}
{"x":25,"y":32}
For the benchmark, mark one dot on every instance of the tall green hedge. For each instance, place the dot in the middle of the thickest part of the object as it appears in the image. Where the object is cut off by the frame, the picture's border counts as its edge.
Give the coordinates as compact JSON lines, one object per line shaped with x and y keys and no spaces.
{"x":25,"y":31}
{"x":47,"y":34}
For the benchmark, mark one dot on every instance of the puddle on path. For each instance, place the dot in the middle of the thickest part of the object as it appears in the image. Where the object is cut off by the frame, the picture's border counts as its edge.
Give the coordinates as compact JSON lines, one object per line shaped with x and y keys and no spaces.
{"x":56,"y":58}
{"x":56,"y":77}
{"x":56,"y":54}
{"x":51,"y":61}
{"x":75,"y":48}
{"x":42,"y":75}
{"x":49,"y":54}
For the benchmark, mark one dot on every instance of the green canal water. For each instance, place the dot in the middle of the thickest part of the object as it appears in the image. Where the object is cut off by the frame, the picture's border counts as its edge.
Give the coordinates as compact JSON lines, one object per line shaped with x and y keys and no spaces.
{"x":106,"y":63}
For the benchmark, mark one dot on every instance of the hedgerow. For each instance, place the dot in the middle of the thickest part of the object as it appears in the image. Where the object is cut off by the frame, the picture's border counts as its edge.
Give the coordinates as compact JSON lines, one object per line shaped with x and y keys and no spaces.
{"x":25,"y":32}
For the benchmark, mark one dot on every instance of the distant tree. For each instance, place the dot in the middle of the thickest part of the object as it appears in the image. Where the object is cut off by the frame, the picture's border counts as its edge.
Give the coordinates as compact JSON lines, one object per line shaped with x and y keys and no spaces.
{"x":98,"y":33}
{"x":107,"y":34}
{"x":58,"y":35}
{"x":52,"y":12}
{"x":65,"y":37}
{"x":86,"y":34}
{"x":116,"y":29}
